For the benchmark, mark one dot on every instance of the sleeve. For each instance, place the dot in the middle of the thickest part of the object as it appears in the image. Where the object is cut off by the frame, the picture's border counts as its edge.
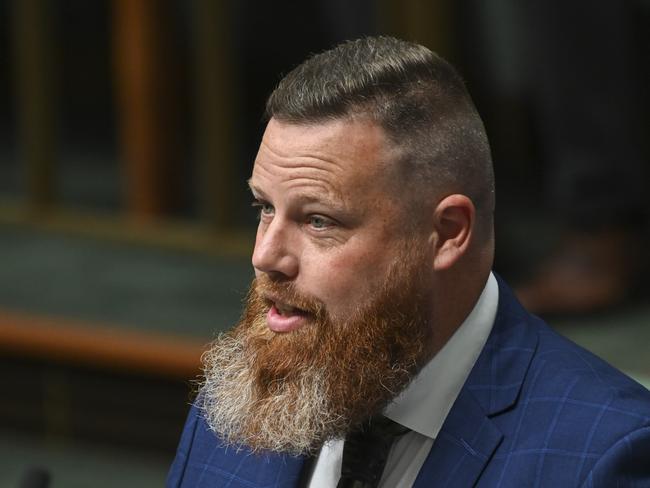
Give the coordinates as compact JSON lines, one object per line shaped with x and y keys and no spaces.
{"x":626,"y":463}
{"x":177,"y":470}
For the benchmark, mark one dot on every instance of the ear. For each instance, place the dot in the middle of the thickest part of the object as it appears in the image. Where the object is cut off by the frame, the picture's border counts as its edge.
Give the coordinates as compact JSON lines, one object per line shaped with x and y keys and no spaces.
{"x":453,"y":221}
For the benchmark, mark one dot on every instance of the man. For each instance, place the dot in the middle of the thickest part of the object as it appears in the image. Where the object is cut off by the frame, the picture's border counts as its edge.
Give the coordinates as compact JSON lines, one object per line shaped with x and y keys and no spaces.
{"x":373,"y":295}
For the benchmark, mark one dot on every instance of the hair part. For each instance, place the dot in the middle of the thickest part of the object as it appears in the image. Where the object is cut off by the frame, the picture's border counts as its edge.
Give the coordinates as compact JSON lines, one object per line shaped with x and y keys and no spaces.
{"x":418,"y":99}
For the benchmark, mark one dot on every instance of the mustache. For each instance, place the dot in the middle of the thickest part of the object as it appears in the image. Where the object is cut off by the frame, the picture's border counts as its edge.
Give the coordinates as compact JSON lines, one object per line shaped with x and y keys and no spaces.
{"x":288,"y":294}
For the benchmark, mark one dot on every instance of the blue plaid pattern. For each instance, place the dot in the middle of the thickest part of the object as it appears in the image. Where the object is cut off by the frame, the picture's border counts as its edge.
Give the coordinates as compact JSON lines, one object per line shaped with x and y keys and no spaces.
{"x":203,"y":461}
{"x":536,"y":411}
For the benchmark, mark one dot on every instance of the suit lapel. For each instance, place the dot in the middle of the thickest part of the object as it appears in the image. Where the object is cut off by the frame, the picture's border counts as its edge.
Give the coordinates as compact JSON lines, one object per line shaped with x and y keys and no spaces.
{"x":468,"y":437}
{"x":463,"y":446}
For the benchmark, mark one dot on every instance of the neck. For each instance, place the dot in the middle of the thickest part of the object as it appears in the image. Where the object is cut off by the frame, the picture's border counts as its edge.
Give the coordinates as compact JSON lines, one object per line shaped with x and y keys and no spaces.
{"x":454,"y":298}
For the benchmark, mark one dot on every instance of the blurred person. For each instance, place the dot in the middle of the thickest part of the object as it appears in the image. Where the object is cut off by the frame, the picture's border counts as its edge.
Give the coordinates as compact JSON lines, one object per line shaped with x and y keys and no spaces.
{"x":583,"y":74}
{"x":376,"y":347}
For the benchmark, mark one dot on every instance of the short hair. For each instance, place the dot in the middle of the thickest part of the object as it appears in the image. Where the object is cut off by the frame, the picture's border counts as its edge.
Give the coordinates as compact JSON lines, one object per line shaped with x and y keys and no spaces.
{"x":418,"y":99}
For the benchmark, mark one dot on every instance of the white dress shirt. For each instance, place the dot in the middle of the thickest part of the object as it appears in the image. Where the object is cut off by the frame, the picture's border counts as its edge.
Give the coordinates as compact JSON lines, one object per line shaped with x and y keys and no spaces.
{"x":425,"y":403}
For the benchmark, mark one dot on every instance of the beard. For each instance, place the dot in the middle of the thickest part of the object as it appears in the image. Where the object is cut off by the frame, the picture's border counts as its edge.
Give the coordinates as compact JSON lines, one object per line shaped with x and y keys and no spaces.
{"x":291,"y":392}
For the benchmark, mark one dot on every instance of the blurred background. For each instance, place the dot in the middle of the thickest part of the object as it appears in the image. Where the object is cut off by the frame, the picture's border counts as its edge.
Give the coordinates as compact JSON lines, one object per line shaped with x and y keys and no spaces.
{"x":128,"y":129}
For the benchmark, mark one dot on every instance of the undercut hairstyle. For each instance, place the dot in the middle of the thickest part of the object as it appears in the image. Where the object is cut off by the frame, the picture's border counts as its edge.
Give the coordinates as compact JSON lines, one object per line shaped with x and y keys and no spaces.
{"x":418,"y":99}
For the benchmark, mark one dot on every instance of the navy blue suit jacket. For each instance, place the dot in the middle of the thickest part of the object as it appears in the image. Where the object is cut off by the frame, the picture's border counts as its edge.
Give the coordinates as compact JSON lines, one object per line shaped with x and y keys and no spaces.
{"x":536,"y":410}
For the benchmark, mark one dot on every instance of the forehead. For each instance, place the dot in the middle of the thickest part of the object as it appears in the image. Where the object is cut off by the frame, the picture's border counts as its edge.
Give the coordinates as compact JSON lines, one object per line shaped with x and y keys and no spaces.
{"x":325,"y":158}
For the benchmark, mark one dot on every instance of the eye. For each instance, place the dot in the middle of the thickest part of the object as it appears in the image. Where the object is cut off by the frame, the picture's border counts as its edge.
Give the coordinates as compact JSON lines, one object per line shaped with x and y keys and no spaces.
{"x":319,"y":222}
{"x":264,"y":209}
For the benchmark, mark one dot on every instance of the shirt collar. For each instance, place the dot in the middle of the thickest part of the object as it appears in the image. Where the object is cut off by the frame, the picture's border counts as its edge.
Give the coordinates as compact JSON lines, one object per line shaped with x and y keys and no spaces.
{"x":426,"y":401}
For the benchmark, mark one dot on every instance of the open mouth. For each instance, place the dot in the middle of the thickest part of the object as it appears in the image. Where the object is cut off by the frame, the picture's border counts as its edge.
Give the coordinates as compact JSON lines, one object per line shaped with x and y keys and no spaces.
{"x":283,"y":317}
{"x":287,"y":310}
{"x":283,"y":308}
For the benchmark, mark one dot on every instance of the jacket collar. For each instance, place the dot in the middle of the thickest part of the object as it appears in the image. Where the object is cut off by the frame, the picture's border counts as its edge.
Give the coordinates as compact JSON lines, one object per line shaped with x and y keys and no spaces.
{"x":426,"y":401}
{"x":469,"y":437}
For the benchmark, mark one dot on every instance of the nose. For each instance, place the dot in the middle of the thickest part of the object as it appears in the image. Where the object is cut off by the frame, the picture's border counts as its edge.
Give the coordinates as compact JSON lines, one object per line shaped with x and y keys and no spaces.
{"x":274,"y":252}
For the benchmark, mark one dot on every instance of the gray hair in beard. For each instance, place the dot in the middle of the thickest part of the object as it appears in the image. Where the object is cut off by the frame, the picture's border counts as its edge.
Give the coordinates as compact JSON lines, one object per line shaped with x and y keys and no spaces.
{"x":289,"y":420}
{"x":292,"y":392}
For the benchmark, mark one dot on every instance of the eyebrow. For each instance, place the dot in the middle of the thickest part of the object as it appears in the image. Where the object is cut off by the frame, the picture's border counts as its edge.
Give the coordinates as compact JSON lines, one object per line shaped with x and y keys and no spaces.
{"x":254,"y":190}
{"x":301,"y":198}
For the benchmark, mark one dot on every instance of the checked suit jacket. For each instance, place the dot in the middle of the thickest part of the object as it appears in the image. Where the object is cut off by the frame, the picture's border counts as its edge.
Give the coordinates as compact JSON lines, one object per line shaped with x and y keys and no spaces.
{"x":536,"y":411}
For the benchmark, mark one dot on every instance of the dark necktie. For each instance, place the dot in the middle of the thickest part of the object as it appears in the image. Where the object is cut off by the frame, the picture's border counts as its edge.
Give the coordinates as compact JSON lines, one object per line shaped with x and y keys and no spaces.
{"x":365,"y":452}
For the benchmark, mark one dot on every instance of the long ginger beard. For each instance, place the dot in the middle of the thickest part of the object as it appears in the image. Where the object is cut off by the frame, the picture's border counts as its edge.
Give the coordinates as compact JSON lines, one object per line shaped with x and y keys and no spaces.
{"x":291,"y":392}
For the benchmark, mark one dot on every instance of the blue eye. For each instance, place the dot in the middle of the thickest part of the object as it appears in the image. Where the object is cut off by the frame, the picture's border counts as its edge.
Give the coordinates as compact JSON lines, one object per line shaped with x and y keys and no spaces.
{"x":319,"y":222}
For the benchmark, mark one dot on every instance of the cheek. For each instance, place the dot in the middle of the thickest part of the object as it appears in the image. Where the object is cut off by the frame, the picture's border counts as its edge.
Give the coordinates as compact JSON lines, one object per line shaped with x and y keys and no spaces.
{"x":343,"y":279}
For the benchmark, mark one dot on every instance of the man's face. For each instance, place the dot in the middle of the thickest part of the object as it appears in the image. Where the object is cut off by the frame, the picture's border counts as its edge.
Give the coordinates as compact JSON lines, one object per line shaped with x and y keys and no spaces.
{"x":338,"y":318}
{"x":330,"y":215}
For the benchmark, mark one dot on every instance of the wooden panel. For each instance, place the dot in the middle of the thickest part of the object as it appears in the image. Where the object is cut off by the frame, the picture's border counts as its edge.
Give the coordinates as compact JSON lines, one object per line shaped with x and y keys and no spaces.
{"x":35,"y":87}
{"x":146,"y":105}
{"x":100,"y":345}
{"x":168,"y":234}
{"x":214,"y":110}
